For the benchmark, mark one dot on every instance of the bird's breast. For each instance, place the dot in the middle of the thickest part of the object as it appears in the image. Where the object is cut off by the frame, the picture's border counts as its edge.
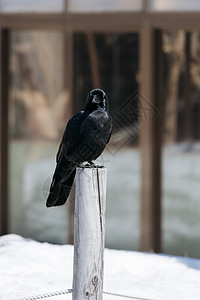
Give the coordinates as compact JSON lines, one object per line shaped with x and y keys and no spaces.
{"x":98,"y":118}
{"x":96,"y":125}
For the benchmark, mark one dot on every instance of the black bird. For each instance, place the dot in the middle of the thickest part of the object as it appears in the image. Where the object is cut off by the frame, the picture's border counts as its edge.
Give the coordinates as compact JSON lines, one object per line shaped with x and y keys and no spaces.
{"x":84,"y":139}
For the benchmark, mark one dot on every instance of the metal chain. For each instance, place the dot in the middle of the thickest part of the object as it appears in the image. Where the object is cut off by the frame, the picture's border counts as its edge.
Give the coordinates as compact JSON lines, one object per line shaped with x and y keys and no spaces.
{"x":47,"y":295}
{"x":69,"y":291}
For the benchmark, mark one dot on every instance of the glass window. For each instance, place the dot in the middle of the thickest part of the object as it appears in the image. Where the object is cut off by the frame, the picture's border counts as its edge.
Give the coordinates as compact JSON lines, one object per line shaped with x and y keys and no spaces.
{"x":38,"y":110}
{"x":104,"y":5}
{"x":31,"y":6}
{"x":110,"y":61}
{"x":181,"y":145}
{"x":39,"y":107}
{"x":174,"y":5}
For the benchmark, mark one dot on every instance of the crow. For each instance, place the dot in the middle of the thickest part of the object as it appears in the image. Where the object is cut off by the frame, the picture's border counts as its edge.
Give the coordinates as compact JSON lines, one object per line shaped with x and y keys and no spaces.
{"x":84,"y":139}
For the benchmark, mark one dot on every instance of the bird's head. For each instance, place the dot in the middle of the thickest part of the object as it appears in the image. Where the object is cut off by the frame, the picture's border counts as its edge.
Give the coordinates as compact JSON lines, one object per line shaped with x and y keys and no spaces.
{"x":97,"y":99}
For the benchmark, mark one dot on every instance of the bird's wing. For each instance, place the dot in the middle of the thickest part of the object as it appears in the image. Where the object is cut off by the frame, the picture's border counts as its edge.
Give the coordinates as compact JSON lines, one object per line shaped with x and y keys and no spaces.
{"x":65,"y":169}
{"x":60,"y":152}
{"x":70,"y":135}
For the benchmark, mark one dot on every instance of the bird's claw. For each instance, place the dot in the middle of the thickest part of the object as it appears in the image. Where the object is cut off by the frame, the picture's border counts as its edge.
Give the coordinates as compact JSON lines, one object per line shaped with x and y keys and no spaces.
{"x":89,"y":165}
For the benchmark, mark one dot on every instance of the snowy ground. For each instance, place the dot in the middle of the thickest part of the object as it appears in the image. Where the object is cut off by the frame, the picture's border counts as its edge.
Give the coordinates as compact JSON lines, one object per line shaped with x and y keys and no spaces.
{"x":29,"y":268}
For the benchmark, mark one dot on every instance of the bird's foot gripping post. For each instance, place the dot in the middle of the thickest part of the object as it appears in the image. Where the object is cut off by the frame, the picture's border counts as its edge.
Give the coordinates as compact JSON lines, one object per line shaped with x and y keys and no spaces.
{"x":89,"y":233}
{"x":90,"y":165}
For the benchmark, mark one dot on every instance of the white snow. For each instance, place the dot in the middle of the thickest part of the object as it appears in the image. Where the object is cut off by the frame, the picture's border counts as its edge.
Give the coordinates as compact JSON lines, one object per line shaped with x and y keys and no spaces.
{"x":29,"y":268}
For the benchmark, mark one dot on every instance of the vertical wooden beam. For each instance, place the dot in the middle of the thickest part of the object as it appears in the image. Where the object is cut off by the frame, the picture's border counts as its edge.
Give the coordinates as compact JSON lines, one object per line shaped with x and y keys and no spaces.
{"x":69,"y":52}
{"x":94,"y":61}
{"x":4,"y":52}
{"x":150,"y":139}
{"x":69,"y":72}
{"x":188,"y":116}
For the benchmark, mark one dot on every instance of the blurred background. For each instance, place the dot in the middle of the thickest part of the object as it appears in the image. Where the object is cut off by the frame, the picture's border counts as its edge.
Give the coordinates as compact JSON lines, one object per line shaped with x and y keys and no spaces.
{"x":52,"y":54}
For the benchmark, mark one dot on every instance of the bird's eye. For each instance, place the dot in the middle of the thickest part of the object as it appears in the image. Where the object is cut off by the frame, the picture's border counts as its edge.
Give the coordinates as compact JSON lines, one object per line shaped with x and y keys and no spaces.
{"x":96,"y":99}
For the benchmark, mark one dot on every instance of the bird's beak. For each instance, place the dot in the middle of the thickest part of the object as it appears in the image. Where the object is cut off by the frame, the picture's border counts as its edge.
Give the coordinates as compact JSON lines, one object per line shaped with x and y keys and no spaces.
{"x":96,"y":99}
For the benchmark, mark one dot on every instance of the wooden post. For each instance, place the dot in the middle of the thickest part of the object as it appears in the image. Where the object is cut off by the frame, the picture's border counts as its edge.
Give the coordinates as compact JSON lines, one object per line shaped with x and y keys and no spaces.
{"x":89,"y":233}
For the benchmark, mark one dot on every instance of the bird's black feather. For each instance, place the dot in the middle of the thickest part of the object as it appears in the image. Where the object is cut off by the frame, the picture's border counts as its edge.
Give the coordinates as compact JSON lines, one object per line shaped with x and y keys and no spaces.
{"x":84,"y":139}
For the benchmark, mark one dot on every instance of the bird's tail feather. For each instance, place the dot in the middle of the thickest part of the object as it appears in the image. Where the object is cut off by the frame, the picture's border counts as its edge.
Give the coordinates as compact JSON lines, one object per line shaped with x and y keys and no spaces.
{"x":60,"y":188}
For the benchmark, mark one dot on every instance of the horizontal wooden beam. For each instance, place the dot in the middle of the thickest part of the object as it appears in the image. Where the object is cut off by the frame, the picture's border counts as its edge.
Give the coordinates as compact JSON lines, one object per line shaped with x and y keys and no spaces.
{"x":174,"y":20}
{"x":106,"y":21}
{"x":77,"y":22}
{"x":32,"y":21}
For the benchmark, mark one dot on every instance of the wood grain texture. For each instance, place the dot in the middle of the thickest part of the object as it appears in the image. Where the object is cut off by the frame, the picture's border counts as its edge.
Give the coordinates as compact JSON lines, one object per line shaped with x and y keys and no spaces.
{"x":89,"y":233}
